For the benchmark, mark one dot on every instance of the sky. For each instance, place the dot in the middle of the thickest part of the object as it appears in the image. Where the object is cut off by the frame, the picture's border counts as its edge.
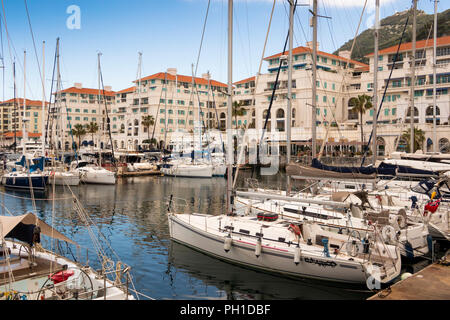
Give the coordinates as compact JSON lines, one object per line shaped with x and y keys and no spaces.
{"x":168,"y":33}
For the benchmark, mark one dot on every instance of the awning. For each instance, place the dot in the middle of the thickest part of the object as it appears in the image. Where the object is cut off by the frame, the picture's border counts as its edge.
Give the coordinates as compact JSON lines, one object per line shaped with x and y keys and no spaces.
{"x":8,"y":223}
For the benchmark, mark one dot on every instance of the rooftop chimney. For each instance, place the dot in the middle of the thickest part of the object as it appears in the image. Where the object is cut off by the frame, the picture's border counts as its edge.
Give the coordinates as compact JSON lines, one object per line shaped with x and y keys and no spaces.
{"x":78,"y":85}
{"x":172,"y":71}
{"x":309,"y":44}
{"x":108,"y":88}
{"x":206,"y":76}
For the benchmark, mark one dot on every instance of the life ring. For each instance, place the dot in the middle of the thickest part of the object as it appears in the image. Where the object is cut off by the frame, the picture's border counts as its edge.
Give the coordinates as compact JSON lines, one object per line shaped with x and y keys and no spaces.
{"x":388,"y":233}
{"x":353,"y":248}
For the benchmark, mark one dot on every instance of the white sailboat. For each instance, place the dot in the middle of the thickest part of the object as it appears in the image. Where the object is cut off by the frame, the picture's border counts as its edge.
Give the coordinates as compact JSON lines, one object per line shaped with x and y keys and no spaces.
{"x":302,"y":249}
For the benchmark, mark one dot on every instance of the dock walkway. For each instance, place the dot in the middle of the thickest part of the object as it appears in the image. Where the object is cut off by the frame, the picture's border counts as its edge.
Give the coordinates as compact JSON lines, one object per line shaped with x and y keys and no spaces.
{"x":430,"y":283}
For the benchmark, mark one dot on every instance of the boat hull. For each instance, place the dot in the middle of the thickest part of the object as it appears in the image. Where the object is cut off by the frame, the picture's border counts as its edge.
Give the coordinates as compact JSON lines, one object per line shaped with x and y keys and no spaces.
{"x":271,"y":259}
{"x":38,"y":182}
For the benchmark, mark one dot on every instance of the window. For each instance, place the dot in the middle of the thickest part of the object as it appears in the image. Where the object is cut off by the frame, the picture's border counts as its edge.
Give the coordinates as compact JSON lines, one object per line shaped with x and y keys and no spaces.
{"x":443,"y":51}
{"x":324,"y":99}
{"x":394,"y":111}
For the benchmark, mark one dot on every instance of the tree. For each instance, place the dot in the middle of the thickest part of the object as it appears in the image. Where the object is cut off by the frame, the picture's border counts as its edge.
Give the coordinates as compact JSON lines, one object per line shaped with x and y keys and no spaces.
{"x":419,"y":138}
{"x":238,"y":111}
{"x":147,"y":122}
{"x":78,"y":131}
{"x":92,"y":128}
{"x":360,"y":105}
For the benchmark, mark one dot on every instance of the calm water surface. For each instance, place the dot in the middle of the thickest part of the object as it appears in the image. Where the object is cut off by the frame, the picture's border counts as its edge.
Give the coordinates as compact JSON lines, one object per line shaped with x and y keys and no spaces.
{"x":131,"y":218}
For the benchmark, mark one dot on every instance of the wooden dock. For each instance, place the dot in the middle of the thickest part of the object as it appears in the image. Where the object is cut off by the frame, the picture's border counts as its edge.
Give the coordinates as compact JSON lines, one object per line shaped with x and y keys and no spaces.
{"x":430,"y":283}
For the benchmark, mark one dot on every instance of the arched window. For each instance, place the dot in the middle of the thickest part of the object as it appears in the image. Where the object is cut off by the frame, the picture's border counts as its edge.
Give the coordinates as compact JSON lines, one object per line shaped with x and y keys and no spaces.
{"x":444,"y":145}
{"x":280,"y":120}
{"x":352,"y":115}
{"x":381,"y":144}
{"x":429,"y":114}
{"x":280,"y":113}
{"x":136,"y":122}
{"x":416,"y":115}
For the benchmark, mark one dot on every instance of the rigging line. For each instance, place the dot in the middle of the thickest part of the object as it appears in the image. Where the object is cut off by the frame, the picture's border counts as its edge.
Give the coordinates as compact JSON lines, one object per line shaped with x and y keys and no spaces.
{"x":201,"y":40}
{"x":3,"y":58}
{"x":387,"y":85}
{"x":10,"y":43}
{"x":157,"y":111}
{"x":404,"y":119}
{"x":34,"y":43}
{"x":343,"y":80}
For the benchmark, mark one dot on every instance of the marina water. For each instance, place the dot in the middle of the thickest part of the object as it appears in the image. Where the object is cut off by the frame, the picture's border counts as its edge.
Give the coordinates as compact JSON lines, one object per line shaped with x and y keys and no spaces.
{"x":132,"y":217}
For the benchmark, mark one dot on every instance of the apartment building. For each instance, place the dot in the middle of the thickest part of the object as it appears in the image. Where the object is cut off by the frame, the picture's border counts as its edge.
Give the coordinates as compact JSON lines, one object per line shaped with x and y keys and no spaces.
{"x":176,"y":102}
{"x":395,"y":114}
{"x":78,"y":105}
{"x":13,"y":116}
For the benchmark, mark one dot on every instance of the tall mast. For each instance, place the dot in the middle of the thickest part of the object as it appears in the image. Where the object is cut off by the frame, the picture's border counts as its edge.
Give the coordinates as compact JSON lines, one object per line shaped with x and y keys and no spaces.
{"x":165,"y":111}
{"x":375,"y":81}
{"x":58,"y":97}
{"x":314,"y":80}
{"x":15,"y":109}
{"x":413,"y":77}
{"x":24,"y":103}
{"x":435,"y":142}
{"x":230,"y":157}
{"x":289,"y":99}
{"x":43,"y":100}
{"x":100,"y":126}
{"x":139,"y":86}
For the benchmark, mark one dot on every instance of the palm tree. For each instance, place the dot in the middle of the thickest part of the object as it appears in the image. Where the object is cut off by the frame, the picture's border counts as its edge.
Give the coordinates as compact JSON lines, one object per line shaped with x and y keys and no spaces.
{"x":360,"y":105}
{"x":147,"y":122}
{"x":419,"y":138}
{"x":78,"y":131}
{"x":92,"y":128}
{"x":238,"y":111}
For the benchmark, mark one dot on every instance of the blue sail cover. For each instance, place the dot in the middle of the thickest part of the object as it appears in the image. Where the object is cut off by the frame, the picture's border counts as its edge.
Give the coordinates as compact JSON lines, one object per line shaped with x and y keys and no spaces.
{"x":21,"y":162}
{"x":39,"y":165}
{"x":383,"y":169}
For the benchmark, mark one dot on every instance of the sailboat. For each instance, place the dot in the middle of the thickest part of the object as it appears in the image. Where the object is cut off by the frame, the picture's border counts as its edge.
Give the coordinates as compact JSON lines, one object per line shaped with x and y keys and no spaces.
{"x":25,"y":176}
{"x":30,"y":272}
{"x":302,"y":249}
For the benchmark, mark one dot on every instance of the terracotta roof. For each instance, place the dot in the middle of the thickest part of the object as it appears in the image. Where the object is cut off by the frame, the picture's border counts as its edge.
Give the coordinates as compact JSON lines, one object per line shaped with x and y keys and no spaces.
{"x":181,"y":78}
{"x":442,"y":41}
{"x":32,"y":103}
{"x":245,"y":80}
{"x":365,"y":68}
{"x":127,"y":90}
{"x":87,"y":91}
{"x":300,"y":49}
{"x":19,"y":134}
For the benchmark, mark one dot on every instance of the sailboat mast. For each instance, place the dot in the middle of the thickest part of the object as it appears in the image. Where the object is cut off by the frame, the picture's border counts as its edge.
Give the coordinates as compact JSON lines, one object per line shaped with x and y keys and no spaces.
{"x":15,"y":109}
{"x":289,"y":98}
{"x":314,"y":80}
{"x":100,"y":127}
{"x":58,"y":98}
{"x":24,"y":103}
{"x":413,"y":78}
{"x":375,"y":80}
{"x":435,"y":142}
{"x":230,"y":157}
{"x":43,"y":100}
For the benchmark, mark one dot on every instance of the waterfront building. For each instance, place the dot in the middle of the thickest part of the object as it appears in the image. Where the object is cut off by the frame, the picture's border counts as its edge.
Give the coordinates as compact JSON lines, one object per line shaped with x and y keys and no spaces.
{"x":78,"y":105}
{"x":13,"y":116}
{"x":170,"y":100}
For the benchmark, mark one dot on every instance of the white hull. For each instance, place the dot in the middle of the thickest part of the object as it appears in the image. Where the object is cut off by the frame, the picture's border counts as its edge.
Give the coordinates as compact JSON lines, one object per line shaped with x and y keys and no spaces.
{"x":189,"y":170}
{"x":65,"y":179}
{"x":194,"y":231}
{"x":95,"y":175}
{"x":219,"y":170}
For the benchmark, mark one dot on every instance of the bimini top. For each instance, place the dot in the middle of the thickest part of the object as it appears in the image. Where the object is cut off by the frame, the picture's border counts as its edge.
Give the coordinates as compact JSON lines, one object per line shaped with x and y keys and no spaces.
{"x":11,"y":226}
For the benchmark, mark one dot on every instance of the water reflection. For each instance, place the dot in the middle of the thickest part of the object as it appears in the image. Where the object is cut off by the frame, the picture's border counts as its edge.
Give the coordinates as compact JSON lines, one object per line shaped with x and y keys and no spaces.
{"x":131,"y":218}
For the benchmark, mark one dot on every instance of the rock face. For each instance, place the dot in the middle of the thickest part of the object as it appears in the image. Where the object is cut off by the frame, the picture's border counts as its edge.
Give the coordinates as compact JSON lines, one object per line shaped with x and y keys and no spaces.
{"x":391,"y":30}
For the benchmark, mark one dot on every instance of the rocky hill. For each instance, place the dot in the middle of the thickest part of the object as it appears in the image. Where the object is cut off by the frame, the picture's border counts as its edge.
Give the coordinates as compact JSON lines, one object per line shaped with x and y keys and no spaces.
{"x":391,"y":30}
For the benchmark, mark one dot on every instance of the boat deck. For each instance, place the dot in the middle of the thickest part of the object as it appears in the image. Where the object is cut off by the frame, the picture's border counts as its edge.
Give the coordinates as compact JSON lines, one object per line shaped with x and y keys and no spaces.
{"x":22,"y":270}
{"x":431,"y":283}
